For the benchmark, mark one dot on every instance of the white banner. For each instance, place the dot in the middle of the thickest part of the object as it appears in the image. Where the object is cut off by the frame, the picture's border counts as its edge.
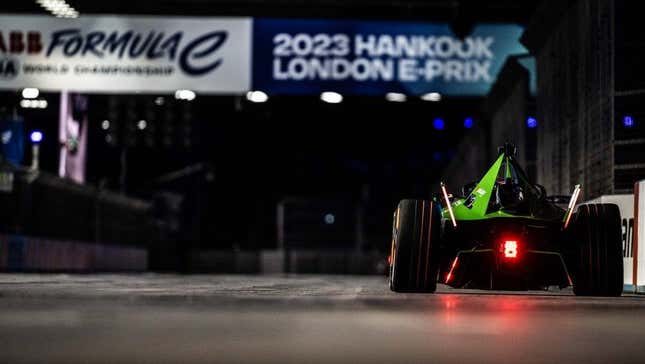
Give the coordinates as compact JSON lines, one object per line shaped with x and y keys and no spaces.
{"x":125,"y":53}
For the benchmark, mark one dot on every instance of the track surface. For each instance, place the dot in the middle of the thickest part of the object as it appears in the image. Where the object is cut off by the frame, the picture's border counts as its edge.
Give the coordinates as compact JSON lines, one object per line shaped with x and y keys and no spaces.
{"x":303,"y":319}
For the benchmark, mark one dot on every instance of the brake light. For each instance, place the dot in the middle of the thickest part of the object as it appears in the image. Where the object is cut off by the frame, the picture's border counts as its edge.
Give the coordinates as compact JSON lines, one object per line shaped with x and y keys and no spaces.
{"x":510,"y":249}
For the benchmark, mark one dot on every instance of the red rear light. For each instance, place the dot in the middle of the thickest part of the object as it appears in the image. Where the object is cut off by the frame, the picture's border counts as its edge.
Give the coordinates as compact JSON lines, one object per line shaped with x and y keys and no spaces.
{"x":510,"y":249}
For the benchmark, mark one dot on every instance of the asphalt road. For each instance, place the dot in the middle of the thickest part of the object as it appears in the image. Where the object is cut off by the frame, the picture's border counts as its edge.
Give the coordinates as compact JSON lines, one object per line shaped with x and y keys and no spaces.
{"x":303,"y":319}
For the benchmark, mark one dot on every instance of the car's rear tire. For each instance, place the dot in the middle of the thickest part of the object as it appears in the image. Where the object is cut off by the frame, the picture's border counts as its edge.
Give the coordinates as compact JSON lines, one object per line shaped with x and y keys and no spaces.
{"x":598,"y":260}
{"x":416,"y":234}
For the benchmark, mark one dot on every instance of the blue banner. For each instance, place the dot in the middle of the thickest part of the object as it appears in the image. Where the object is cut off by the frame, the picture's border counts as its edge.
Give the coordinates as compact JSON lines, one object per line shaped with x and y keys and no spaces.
{"x":373,"y":57}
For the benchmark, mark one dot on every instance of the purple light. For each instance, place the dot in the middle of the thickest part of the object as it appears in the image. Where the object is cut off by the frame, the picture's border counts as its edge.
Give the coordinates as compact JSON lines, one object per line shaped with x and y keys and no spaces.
{"x":628,"y":121}
{"x":36,"y":136}
{"x":531,"y":122}
{"x":438,"y":123}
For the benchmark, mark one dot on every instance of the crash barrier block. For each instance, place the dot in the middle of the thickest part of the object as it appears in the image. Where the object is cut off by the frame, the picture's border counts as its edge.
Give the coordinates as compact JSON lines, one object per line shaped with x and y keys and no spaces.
{"x":20,"y":253}
{"x":625,"y":204}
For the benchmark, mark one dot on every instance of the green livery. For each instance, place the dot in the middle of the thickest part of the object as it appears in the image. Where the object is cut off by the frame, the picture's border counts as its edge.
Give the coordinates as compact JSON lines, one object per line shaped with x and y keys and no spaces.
{"x":503,"y":232}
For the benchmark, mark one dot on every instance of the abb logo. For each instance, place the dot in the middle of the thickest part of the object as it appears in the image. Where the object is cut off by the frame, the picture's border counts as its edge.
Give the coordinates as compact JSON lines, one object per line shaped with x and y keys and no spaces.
{"x":16,"y":42}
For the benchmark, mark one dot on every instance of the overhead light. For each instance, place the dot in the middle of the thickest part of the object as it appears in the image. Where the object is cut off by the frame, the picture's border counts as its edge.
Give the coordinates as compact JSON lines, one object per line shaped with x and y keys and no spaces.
{"x":531,"y":122}
{"x":59,"y":8}
{"x":187,"y":95}
{"x":438,"y":123}
{"x":33,"y":104}
{"x":329,"y":219}
{"x":331,"y":97}
{"x":257,"y":96}
{"x":431,"y":96}
{"x":142,"y":124}
{"x":36,"y":136}
{"x":105,"y":124}
{"x":395,"y":97}
{"x":30,"y":93}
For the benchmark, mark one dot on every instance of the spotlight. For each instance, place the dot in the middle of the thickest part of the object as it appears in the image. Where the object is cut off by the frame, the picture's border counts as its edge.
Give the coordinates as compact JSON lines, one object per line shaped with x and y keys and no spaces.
{"x":33,"y":104}
{"x":531,"y":122}
{"x":331,"y":97}
{"x":257,"y":96}
{"x":30,"y":93}
{"x":438,"y":124}
{"x":187,"y":95}
{"x":36,"y":136}
{"x":395,"y":97}
{"x":58,"y":8}
{"x":432,"y":96}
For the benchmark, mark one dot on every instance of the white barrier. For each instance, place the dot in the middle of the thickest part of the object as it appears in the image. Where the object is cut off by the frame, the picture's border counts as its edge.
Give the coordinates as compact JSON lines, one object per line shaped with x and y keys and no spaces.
{"x":639,"y":237}
{"x":626,"y":206}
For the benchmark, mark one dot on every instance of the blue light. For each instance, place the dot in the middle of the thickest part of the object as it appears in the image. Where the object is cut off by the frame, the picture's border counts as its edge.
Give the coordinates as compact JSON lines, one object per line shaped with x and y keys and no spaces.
{"x":468,"y":123}
{"x":438,"y":123}
{"x":628,"y":121}
{"x":36,"y":136}
{"x":531,"y":122}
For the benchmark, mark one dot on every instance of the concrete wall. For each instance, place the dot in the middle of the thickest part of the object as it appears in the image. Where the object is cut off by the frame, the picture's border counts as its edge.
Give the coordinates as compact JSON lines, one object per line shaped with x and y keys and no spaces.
{"x":504,"y":113}
{"x":573,"y":46}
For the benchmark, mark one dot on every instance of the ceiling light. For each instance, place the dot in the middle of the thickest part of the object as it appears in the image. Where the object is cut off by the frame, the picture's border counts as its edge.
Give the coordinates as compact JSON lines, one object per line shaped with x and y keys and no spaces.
{"x":36,"y":136}
{"x":395,"y":97}
{"x":431,"y":96}
{"x":331,"y":97}
{"x":58,"y":8}
{"x":30,"y":93}
{"x":257,"y":96}
{"x":187,"y":95}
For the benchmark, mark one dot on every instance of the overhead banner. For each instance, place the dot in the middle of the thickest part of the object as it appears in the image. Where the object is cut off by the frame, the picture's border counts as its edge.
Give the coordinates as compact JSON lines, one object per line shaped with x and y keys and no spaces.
{"x":125,"y":53}
{"x":371,"y":57}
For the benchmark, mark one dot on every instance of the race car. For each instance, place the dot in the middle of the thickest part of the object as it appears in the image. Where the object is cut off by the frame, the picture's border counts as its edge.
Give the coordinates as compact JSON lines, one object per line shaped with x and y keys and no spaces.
{"x":504,"y":233}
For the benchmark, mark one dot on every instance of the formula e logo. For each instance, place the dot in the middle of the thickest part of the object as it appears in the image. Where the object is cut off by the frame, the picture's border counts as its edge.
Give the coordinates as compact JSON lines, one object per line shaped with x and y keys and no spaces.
{"x":195,"y":56}
{"x":8,"y":68}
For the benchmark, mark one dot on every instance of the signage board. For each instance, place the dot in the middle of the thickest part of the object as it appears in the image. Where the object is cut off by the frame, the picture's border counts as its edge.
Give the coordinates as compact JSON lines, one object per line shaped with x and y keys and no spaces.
{"x":125,"y":53}
{"x":293,"y":56}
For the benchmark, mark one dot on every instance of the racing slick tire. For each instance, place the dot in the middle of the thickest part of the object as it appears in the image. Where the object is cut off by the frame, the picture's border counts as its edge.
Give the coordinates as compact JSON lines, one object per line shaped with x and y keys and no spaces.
{"x":415,"y":247}
{"x":598,"y":259}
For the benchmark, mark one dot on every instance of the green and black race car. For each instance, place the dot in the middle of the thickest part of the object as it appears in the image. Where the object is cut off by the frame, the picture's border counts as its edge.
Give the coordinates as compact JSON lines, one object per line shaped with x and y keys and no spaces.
{"x":505,"y":234}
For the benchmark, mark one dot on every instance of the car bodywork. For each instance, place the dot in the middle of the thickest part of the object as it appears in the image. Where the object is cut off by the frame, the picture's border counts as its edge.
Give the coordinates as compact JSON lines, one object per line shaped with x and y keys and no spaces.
{"x":503,"y":233}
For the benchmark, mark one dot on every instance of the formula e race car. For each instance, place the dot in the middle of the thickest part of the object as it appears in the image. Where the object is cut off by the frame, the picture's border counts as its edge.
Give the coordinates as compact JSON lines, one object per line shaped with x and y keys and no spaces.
{"x":504,"y":233}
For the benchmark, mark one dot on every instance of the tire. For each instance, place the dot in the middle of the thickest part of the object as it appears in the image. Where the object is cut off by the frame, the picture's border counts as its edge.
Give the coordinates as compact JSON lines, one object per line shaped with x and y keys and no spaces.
{"x":415,"y":240}
{"x":598,"y":259}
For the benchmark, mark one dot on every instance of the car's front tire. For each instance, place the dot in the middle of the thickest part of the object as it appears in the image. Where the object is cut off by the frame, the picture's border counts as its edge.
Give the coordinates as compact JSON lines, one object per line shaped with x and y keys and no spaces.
{"x":416,"y":234}
{"x":598,"y":259}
